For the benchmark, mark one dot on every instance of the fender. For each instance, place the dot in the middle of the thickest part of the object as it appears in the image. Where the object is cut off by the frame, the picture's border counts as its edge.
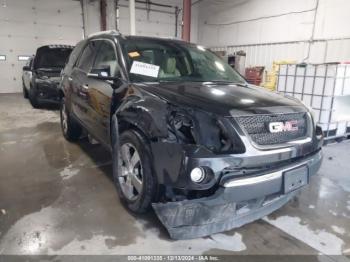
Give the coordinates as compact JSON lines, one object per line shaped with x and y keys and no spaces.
{"x":149,"y":114}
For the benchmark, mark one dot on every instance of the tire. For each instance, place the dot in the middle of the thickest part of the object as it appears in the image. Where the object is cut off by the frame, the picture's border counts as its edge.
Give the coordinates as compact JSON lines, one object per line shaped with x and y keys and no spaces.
{"x":139,"y":199}
{"x":71,"y":129}
{"x":25,"y":92}
{"x":32,"y":98}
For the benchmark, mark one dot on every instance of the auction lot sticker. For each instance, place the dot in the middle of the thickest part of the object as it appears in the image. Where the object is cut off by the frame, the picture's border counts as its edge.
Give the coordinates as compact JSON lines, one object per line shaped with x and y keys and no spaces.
{"x":145,"y":69}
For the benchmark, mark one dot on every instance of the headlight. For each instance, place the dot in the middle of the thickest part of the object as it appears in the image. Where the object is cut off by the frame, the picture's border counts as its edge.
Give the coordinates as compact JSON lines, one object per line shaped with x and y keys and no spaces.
{"x":203,"y":129}
{"x":181,"y":126}
{"x":230,"y":142}
{"x":319,"y":132}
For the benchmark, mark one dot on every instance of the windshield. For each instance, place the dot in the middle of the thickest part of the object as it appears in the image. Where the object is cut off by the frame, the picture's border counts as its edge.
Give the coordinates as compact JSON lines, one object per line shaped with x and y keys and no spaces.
{"x":52,"y":57}
{"x":151,"y":60}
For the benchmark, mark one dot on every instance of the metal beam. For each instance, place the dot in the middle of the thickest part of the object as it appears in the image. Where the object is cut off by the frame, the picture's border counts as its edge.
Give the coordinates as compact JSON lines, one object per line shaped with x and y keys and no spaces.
{"x":132,"y":17}
{"x":103,"y":15}
{"x":186,"y":20}
{"x":177,"y":12}
{"x":84,"y":12}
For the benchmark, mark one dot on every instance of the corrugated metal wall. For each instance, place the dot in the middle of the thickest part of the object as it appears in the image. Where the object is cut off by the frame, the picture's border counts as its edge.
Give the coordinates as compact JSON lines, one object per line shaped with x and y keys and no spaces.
{"x":286,"y":25}
{"x":265,"y":54}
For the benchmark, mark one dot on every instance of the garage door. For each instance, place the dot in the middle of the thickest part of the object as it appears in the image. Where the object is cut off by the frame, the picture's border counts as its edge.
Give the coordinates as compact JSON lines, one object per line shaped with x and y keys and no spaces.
{"x":26,"y":25}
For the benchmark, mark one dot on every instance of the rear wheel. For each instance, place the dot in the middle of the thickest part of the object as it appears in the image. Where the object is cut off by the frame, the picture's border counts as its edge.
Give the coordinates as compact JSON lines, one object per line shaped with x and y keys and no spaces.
{"x":71,"y":129}
{"x":33,"y":97}
{"x":133,"y":173}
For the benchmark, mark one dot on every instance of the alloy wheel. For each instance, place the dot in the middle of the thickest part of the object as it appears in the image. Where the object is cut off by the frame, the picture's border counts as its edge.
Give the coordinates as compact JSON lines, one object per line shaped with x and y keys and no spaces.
{"x":130,"y":173}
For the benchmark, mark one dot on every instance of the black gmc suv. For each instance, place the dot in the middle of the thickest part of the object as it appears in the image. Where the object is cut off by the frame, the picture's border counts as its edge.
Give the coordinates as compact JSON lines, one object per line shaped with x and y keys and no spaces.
{"x":41,"y":75}
{"x":188,"y":135}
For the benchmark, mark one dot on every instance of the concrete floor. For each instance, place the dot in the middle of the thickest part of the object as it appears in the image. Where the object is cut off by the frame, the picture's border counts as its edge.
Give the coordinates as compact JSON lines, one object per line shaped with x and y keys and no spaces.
{"x":58,"y":198}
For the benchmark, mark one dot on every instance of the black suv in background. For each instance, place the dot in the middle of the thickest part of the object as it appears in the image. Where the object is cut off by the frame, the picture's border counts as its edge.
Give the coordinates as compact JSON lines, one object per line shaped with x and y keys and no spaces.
{"x":188,"y":135}
{"x":41,"y":74}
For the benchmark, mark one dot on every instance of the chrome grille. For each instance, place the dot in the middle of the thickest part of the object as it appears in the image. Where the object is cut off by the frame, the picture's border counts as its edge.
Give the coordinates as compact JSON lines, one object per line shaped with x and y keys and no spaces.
{"x":257,"y":127}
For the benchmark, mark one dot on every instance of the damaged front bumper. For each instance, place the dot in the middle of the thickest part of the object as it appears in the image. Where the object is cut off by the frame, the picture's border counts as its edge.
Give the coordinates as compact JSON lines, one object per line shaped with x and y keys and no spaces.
{"x":237,"y":201}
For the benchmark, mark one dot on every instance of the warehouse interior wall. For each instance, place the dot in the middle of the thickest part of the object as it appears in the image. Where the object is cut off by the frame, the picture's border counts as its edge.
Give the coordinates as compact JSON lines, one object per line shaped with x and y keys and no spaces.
{"x":27,"y":25}
{"x":268,"y":30}
{"x":111,"y":15}
{"x":194,"y":21}
{"x":91,"y":16}
{"x":152,"y":20}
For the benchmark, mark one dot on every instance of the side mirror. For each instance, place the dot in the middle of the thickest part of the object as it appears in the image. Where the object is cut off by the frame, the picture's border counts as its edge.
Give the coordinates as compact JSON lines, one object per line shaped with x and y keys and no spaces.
{"x":102,"y":74}
{"x":26,"y":68}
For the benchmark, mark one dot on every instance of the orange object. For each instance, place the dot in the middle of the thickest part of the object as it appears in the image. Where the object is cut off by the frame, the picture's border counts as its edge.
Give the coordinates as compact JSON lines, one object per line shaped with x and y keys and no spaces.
{"x":134,"y":54}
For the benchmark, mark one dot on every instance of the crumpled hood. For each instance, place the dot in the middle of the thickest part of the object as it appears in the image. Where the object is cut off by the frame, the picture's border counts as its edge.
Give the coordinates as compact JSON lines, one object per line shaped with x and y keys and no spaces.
{"x":224,"y":99}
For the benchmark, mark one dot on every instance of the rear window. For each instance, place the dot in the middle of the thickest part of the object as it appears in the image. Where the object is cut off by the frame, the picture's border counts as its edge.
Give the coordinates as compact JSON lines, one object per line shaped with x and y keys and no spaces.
{"x":52,"y":57}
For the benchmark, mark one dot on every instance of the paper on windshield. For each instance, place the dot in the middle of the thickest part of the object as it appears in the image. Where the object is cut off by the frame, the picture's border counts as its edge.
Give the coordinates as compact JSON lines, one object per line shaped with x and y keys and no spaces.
{"x":145,"y":69}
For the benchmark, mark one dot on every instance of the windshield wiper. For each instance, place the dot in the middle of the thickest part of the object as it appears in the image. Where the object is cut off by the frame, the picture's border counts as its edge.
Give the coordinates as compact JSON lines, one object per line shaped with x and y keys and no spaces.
{"x":244,"y":84}
{"x":226,"y":82}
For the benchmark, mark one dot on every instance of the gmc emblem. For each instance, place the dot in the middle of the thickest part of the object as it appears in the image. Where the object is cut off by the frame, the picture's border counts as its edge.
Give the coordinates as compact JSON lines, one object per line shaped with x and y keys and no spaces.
{"x":276,"y":127}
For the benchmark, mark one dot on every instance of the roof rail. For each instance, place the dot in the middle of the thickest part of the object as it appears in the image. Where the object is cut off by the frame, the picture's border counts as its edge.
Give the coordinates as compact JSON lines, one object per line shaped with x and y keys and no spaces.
{"x":169,"y":37}
{"x":112,"y":32}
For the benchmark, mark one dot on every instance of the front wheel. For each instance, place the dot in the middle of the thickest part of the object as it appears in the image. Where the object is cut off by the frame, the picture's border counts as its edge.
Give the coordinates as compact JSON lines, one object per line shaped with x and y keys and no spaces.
{"x":33,"y":98}
{"x":71,"y":129}
{"x":132,"y":171}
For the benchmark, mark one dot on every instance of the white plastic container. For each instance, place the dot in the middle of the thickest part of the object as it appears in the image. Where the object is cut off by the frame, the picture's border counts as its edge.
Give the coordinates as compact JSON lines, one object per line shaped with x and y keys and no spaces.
{"x":319,"y":87}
